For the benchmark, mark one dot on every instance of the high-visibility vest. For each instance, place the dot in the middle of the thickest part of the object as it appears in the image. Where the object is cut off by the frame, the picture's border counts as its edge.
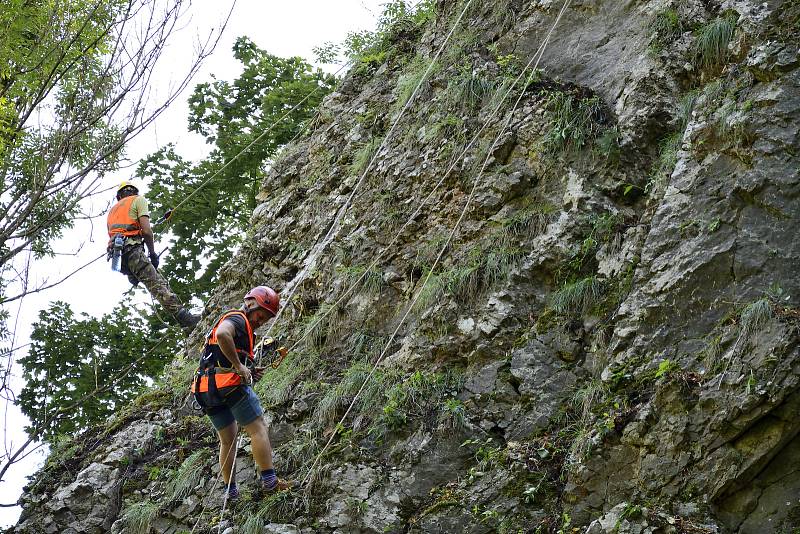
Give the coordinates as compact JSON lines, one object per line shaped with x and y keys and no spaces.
{"x":213,"y":383}
{"x":119,"y":220}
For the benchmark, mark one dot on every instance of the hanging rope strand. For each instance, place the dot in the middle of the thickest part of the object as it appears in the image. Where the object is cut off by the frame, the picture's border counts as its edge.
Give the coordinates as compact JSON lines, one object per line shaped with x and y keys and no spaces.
{"x":537,"y":58}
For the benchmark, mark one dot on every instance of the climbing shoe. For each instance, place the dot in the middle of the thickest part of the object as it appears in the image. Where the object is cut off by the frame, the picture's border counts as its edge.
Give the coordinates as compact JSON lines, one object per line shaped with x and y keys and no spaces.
{"x":187,"y":319}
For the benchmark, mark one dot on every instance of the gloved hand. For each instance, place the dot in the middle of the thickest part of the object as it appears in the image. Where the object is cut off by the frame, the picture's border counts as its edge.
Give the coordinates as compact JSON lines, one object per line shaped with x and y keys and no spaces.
{"x":154,"y":259}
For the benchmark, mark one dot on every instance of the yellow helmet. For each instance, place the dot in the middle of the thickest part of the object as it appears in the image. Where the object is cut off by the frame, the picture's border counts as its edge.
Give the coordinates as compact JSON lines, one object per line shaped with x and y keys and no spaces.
{"x":125,"y":184}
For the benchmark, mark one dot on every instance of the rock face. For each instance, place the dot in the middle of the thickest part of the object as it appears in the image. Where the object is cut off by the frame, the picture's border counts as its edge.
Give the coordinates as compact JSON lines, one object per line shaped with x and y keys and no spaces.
{"x":585,"y":320}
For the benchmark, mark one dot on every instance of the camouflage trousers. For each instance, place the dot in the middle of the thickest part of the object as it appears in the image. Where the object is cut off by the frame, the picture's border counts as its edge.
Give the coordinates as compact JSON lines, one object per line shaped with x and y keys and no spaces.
{"x":138,"y":264}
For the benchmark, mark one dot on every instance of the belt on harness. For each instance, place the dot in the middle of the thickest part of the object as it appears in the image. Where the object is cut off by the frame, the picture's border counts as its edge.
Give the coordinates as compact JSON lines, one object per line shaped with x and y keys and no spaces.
{"x":216,"y":386}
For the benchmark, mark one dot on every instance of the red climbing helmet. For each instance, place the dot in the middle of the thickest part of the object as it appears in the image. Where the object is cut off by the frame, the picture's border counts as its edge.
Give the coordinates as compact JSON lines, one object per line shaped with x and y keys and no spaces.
{"x":266,"y":297}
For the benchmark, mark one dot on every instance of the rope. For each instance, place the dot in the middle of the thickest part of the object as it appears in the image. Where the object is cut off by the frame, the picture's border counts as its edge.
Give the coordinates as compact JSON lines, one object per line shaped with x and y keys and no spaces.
{"x":334,"y":225}
{"x":539,"y":53}
{"x":320,"y":246}
{"x":169,"y":213}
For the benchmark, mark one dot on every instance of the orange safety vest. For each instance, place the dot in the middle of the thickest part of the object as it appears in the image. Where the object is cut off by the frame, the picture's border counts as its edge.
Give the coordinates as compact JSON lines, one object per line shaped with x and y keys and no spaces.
{"x":212,"y":383}
{"x":119,"y":220}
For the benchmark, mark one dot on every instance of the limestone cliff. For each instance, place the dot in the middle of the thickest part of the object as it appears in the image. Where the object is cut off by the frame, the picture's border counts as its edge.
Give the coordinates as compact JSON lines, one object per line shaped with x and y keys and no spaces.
{"x":610,"y":342}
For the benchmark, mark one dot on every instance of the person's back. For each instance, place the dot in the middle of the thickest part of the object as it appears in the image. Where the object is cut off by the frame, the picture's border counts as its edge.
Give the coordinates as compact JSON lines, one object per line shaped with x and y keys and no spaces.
{"x":129,"y":231}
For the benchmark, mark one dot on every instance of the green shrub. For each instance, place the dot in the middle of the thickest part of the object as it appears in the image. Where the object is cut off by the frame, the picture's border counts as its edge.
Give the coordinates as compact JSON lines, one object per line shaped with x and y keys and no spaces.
{"x":368,"y":49}
{"x":711,"y":44}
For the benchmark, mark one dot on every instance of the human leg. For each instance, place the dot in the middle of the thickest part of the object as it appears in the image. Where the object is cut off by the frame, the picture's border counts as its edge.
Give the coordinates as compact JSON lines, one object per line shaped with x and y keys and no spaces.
{"x":140,"y":266}
{"x":227,"y":442}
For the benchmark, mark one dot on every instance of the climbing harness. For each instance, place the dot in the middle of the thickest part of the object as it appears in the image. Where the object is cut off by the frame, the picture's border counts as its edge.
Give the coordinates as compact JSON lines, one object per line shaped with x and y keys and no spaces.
{"x":213,"y":384}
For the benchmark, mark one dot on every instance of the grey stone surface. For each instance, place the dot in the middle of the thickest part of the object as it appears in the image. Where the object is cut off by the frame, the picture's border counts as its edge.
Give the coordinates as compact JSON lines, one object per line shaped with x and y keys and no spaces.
{"x":660,"y":394}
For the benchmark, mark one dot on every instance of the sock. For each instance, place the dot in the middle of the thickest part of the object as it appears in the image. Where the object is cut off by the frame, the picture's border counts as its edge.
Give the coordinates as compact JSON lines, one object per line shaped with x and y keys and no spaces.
{"x":269,"y":479}
{"x":233,"y":491}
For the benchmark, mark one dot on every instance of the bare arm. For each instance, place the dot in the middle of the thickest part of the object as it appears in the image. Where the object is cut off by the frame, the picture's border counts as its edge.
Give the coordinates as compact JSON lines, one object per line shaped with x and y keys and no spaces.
{"x":147,"y":233}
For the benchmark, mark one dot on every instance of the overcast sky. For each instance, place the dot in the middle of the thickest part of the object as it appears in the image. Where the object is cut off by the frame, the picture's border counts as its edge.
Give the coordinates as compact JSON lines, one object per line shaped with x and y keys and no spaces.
{"x":282,"y":28}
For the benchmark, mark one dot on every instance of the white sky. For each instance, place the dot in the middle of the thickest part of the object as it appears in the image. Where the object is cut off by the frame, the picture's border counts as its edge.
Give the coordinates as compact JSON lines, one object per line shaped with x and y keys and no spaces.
{"x":282,"y":28}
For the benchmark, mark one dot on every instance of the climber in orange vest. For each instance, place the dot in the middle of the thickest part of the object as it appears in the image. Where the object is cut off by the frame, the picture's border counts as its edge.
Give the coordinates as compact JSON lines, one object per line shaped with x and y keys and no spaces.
{"x":129,"y":232}
{"x":223,"y":382}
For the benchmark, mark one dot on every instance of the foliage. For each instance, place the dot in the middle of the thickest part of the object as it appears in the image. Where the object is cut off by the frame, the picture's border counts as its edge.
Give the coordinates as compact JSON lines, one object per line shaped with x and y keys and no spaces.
{"x":233,"y":116}
{"x":666,"y":27}
{"x":575,"y":121}
{"x":711,"y":44}
{"x":666,"y":368}
{"x":73,"y":91}
{"x":368,"y":49}
{"x":73,"y":357}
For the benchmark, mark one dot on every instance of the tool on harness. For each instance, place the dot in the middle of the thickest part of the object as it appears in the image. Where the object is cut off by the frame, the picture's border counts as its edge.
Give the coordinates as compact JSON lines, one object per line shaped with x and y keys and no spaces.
{"x":271,"y":351}
{"x":214,"y":385}
{"x":115,"y":252}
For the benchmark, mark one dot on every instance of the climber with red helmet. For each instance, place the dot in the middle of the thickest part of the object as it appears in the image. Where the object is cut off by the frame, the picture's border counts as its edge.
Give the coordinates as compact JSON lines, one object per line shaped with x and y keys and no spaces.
{"x":129,"y":231}
{"x":222,"y":386}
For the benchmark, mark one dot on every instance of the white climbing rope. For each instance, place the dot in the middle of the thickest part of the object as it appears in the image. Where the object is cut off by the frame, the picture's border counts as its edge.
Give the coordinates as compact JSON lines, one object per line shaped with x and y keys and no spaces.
{"x":537,"y":57}
{"x":330,"y":235}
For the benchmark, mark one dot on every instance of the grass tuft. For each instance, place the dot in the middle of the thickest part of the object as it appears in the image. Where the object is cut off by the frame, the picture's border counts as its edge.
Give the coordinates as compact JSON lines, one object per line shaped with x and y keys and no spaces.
{"x":364,"y":155}
{"x":469,"y":89}
{"x":139,"y":517}
{"x":667,"y":159}
{"x":711,"y":45}
{"x":755,"y":316}
{"x":666,"y":27}
{"x":413,"y":75}
{"x":529,"y":222}
{"x":186,"y":478}
{"x":575,"y":121}
{"x":577,"y":297}
{"x":370,"y":279}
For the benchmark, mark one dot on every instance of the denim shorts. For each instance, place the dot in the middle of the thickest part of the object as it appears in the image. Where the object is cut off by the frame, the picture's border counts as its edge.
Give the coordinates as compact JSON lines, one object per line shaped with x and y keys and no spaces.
{"x":244,"y":411}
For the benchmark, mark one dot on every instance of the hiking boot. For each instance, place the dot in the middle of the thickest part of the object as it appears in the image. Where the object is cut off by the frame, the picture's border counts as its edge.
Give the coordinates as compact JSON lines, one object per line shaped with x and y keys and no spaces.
{"x":187,"y":319}
{"x":280,"y":485}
